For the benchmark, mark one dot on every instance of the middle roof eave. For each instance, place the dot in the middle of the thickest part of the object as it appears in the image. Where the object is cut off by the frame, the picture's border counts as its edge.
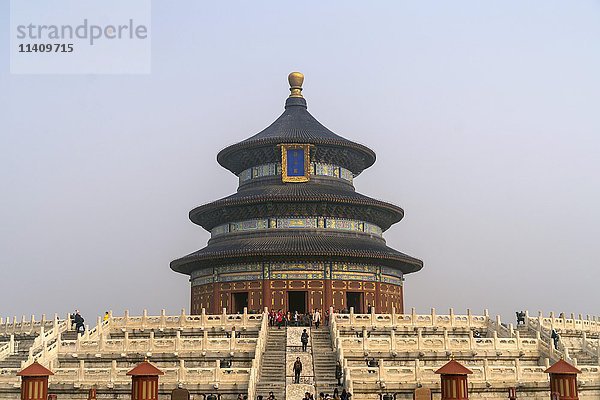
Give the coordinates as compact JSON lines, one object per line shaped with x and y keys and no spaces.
{"x":263,"y":201}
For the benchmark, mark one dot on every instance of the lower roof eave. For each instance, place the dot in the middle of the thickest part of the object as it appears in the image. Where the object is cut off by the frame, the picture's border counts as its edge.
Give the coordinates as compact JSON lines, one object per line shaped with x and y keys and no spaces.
{"x":186,"y":265}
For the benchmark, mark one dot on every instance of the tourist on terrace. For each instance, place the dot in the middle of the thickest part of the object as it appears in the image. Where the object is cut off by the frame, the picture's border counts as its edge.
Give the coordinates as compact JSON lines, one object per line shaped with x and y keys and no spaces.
{"x":338,"y":373}
{"x":279,"y":319}
{"x":297,"y":370}
{"x":78,"y":320}
{"x":336,"y":394}
{"x":555,"y":337}
{"x":304,"y":339}
{"x":345,"y":395}
{"x":520,"y":318}
{"x":317,"y":318}
{"x":106,"y":316}
{"x":296,"y":318}
{"x":271,"y":396}
{"x":476,"y":334}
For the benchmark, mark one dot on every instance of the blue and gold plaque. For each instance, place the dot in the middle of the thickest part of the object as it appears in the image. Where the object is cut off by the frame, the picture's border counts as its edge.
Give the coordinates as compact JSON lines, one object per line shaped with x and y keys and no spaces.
{"x":295,"y":162}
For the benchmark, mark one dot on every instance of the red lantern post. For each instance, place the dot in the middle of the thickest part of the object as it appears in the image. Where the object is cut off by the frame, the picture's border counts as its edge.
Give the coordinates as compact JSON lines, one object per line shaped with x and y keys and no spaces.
{"x":34,"y":382}
{"x":454,"y":381}
{"x":563,"y":380}
{"x":144,"y":381}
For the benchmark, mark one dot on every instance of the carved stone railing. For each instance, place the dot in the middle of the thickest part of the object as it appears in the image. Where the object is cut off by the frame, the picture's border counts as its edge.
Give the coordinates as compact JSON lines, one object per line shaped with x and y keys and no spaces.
{"x":25,"y":326}
{"x":590,"y":325}
{"x":92,"y":375}
{"x":8,"y":348}
{"x":433,"y":319}
{"x":486,"y":373}
{"x":258,"y":353}
{"x":46,"y":342}
{"x":164,"y":321}
{"x":395,"y":343}
{"x":339,"y":350}
{"x":153,"y":344}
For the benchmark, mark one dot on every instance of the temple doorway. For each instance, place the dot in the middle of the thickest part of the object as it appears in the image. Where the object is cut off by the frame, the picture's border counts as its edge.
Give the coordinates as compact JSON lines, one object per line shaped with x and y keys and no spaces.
{"x":297,"y":302}
{"x":239,"y":301}
{"x":355,"y":299}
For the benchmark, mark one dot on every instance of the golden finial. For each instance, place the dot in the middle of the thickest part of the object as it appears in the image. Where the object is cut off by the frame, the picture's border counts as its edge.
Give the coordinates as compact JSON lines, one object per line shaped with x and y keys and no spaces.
{"x":296,"y":79}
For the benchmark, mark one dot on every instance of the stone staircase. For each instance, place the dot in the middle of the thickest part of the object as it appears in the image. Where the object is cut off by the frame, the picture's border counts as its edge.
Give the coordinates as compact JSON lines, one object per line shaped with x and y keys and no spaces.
{"x":324,"y":361}
{"x":272,"y":369}
{"x":583,"y":358}
{"x":69,"y":335}
{"x":524,"y":332}
{"x":14,"y":360}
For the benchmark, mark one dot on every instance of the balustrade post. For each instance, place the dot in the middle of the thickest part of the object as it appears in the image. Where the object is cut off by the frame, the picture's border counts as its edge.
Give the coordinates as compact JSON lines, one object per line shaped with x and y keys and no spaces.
{"x":518,"y":338}
{"x":351,"y":315}
{"x":495,"y":337}
{"x":68,"y":322}
{"x":446,"y":339}
{"x":433,"y":319}
{"x":43,"y":321}
{"x":204,"y":340}
{"x":469,"y":318}
{"x":419,"y":339}
{"x":11,"y":344}
{"x":55,"y":322}
{"x":382,"y":374}
{"x":413,"y":316}
{"x":232,"y":340}
{"x":498,"y":323}
{"x":486,"y":367}
{"x":182,"y":317}
{"x":217,"y":376}
{"x":203,"y":316}
{"x":181,"y":371}
{"x":527,"y":319}
{"x":392,"y":340}
{"x":126,"y":318}
{"x":245,"y":317}
{"x":471,"y":340}
{"x":151,"y":341}
{"x":77,"y":342}
{"x":177,"y":340}
{"x":113,"y":371}
{"x":585,"y":342}
{"x":364,"y":341}
{"x":224,"y":317}
{"x":393,"y":314}
{"x":126,"y":342}
{"x":101,"y":341}
{"x":144,"y":318}
{"x":417,"y":371}
{"x":511,"y":330}
{"x":81,"y":371}
{"x":163,"y":318}
{"x":451,"y":313}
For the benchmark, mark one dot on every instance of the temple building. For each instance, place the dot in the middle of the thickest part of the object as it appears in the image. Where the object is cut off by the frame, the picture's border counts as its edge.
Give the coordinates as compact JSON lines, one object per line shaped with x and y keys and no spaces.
{"x":296,"y":236}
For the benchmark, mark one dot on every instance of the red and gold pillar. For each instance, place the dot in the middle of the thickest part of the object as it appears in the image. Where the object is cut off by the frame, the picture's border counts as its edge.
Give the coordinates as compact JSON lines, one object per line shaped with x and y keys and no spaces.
{"x":563,"y":380}
{"x":454,"y":382}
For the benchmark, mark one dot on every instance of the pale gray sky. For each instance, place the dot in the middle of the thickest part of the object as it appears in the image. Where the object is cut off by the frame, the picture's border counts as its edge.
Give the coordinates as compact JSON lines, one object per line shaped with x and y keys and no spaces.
{"x":484,"y":117}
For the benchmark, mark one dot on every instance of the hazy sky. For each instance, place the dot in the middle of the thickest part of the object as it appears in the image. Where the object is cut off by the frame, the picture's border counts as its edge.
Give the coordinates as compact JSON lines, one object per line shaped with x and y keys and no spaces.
{"x":484,"y":117}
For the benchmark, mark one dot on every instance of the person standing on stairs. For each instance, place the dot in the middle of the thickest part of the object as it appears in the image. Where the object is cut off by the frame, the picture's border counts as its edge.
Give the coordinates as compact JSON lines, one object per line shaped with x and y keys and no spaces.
{"x":317,"y":318}
{"x":339,"y":373}
{"x":304,"y":339}
{"x":297,"y":370}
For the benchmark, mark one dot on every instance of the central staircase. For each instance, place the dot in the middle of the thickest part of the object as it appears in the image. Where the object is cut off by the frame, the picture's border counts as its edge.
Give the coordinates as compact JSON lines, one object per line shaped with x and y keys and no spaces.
{"x":272,"y":369}
{"x":324,"y":361}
